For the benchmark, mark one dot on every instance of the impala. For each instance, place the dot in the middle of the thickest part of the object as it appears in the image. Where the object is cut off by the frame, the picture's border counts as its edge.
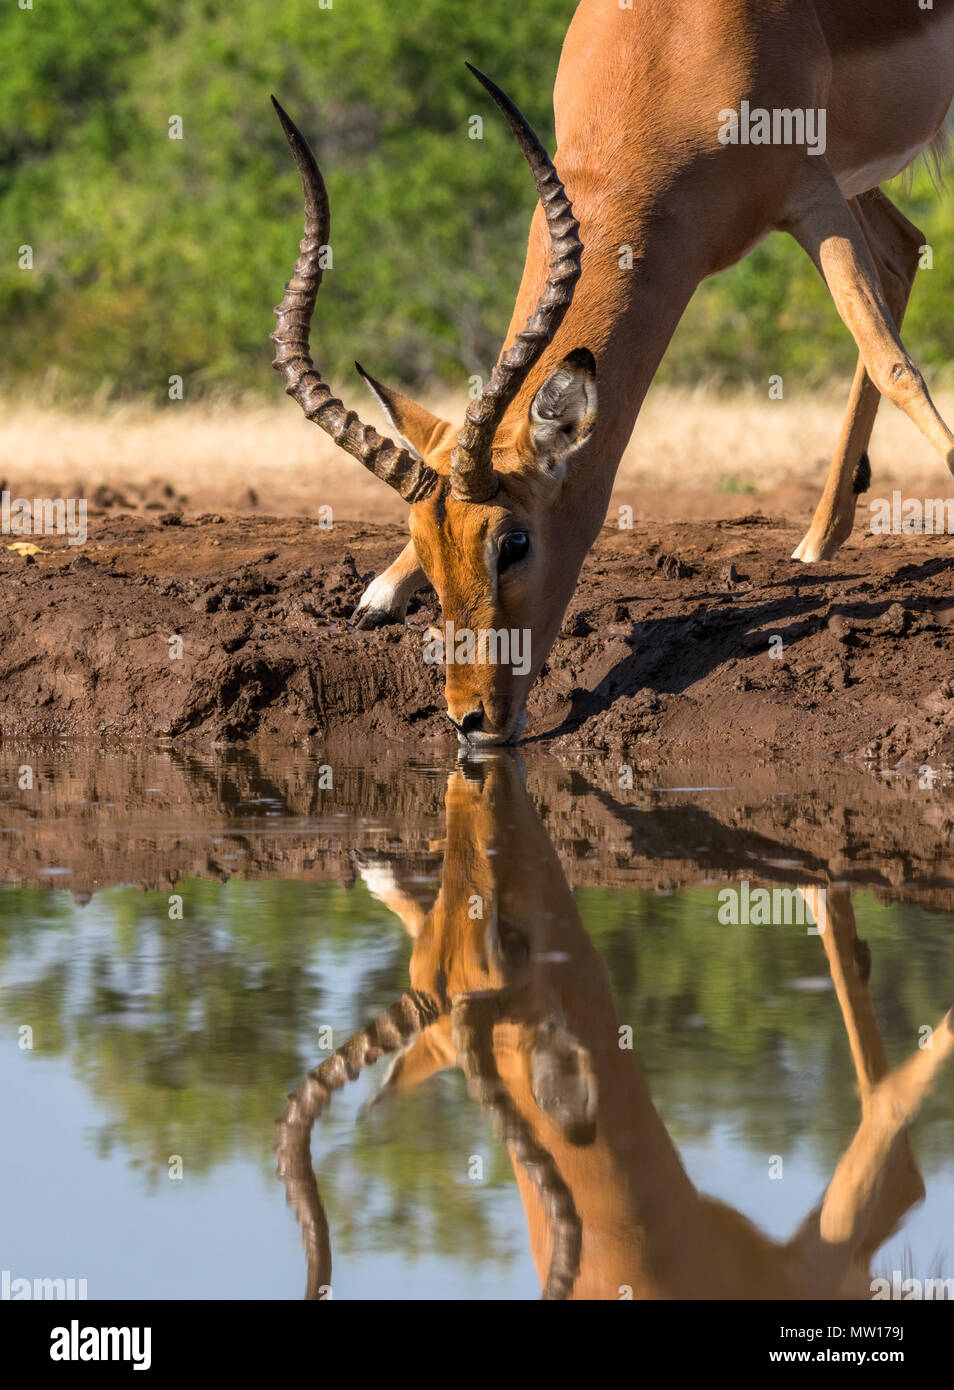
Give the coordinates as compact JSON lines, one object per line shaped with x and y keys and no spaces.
{"x":653,"y":195}
{"x":518,"y":997}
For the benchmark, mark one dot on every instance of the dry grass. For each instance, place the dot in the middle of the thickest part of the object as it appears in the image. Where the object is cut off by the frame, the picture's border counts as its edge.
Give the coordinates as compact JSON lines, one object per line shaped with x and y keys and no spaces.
{"x":693,"y":453}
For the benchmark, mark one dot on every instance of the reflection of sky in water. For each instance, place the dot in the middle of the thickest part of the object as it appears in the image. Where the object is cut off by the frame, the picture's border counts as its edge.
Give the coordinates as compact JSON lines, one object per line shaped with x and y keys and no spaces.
{"x":72,"y":1206}
{"x":228,"y":1235}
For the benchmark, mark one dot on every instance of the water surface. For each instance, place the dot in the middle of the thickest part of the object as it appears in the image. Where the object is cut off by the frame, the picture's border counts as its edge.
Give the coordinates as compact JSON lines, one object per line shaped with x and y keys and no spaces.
{"x":187,"y":937}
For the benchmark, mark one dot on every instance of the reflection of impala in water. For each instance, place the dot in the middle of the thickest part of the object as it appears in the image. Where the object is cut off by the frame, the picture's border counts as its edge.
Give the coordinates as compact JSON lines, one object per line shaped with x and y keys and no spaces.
{"x":506,"y":984}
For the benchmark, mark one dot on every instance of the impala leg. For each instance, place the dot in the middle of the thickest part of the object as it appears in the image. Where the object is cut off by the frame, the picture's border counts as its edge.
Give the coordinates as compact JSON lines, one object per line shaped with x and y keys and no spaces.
{"x":900,"y":1184}
{"x":382,"y":875}
{"x":895,"y":245}
{"x":386,"y":598}
{"x":866,"y":1197}
{"x":876,"y":1180}
{"x":825,"y":227}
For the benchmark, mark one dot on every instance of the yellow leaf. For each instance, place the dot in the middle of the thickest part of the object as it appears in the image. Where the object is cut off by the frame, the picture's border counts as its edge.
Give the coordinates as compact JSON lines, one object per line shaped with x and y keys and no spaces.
{"x":25,"y":548}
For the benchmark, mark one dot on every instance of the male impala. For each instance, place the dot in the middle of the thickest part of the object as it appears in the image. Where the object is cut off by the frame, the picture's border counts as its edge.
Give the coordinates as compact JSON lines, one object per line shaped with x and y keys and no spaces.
{"x":506,"y":983}
{"x":503,"y":514}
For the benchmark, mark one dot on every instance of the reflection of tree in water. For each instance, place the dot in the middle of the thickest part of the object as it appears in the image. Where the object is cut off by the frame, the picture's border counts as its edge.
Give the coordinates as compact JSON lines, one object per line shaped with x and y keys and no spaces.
{"x":404,"y":1168}
{"x":189,"y":1032}
{"x":722,"y":1033}
{"x":186,"y":1028}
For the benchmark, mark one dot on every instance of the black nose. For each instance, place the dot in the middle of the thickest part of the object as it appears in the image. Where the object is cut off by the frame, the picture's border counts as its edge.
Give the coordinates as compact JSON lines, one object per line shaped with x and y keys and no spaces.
{"x":471,"y":721}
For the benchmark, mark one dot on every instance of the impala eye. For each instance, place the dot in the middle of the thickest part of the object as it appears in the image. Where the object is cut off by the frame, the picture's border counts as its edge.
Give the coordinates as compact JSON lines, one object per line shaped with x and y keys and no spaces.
{"x":514,"y":547}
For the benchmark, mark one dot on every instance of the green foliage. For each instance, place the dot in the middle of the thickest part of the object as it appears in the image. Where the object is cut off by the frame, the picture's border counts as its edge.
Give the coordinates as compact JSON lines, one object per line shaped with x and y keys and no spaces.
{"x":728,"y":483}
{"x":721,"y":1028}
{"x":156,"y":256}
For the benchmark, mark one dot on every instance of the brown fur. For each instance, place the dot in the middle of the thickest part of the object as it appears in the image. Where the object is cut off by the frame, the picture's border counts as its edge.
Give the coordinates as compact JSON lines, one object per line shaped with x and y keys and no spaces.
{"x":637,"y":102}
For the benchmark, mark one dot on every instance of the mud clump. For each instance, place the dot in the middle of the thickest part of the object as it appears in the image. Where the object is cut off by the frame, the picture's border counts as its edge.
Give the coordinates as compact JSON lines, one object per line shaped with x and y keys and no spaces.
{"x":673,"y":567}
{"x":212,"y":629}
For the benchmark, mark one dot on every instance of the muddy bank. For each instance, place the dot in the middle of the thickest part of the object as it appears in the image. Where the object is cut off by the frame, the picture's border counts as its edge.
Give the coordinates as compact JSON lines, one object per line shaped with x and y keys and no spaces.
{"x":665,"y":651}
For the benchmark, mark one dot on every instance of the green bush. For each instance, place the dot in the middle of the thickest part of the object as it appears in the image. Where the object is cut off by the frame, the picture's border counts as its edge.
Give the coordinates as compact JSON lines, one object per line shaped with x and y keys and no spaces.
{"x":156,"y":256}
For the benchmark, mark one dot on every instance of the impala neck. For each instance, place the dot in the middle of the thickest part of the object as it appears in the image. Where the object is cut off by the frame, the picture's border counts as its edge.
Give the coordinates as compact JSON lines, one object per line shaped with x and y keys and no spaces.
{"x":641,"y":263}
{"x":640,"y":1214}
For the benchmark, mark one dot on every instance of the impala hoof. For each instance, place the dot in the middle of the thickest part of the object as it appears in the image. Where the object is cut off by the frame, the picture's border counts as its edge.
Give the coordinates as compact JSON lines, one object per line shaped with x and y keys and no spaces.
{"x":370,"y":618}
{"x":810,"y":551}
{"x":806,"y":551}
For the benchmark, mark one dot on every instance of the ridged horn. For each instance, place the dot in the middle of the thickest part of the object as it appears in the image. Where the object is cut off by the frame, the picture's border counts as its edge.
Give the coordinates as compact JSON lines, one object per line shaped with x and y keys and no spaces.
{"x":472,"y":475}
{"x":389,"y":1031}
{"x":472,"y":1028}
{"x":396,"y":466}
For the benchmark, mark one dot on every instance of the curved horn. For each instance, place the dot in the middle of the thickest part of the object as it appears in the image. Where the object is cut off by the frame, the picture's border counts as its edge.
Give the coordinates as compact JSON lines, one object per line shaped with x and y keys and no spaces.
{"x":472,"y":1022}
{"x":472,"y":475}
{"x":408,"y":475}
{"x":393,"y":1029}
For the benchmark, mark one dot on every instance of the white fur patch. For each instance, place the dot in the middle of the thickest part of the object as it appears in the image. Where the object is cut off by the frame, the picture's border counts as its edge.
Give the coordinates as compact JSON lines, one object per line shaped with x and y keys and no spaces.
{"x":381,"y":593}
{"x":379,"y":879}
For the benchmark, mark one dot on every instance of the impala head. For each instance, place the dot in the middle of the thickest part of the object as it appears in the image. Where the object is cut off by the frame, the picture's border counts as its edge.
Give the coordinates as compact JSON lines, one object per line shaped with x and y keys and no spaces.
{"x":484,"y":511}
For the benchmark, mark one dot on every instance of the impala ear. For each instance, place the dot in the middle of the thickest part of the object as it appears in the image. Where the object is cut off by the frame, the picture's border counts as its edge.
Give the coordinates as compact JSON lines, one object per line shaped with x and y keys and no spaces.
{"x":421,"y":431}
{"x":563,"y":1081}
{"x":563,"y":412}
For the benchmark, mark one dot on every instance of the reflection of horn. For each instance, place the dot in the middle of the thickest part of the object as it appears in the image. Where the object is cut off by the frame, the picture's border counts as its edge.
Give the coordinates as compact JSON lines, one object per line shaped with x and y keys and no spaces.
{"x":472,"y":1021}
{"x":388,"y":1032}
{"x":301,"y":1190}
